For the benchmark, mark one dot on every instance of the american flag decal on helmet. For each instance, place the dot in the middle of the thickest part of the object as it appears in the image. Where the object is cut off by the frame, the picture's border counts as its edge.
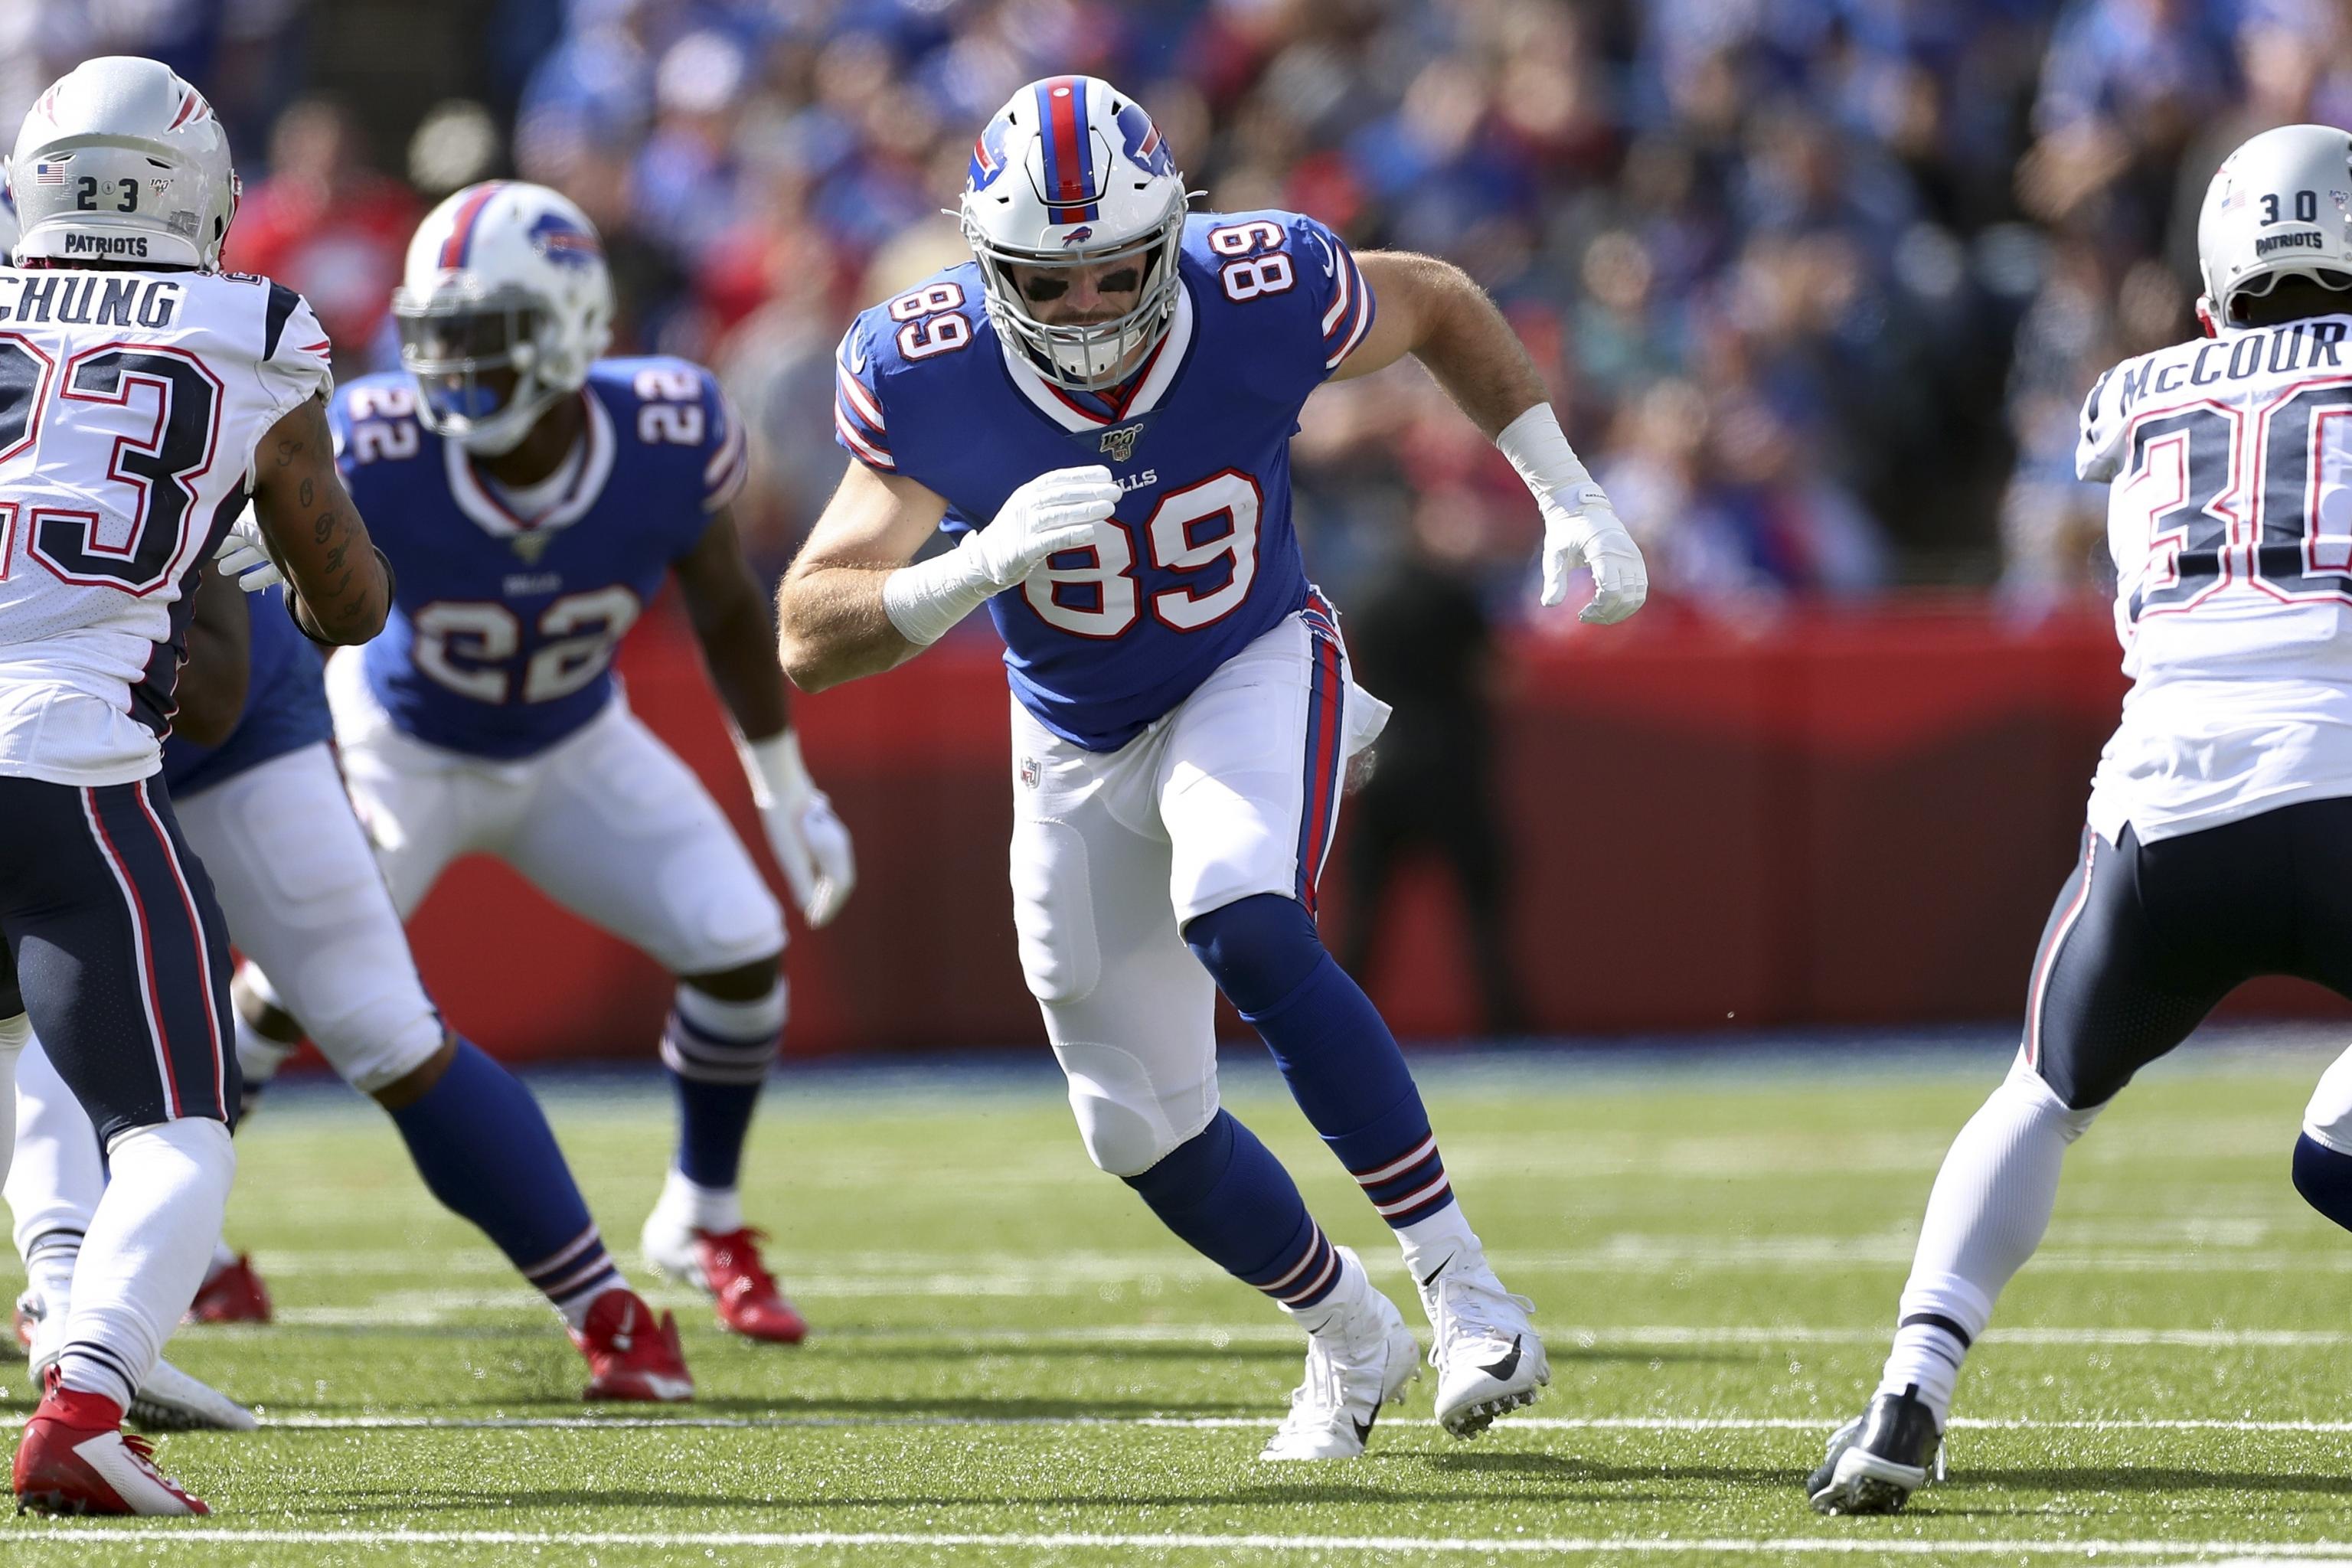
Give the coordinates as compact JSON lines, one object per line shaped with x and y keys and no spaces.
{"x":48,"y":174}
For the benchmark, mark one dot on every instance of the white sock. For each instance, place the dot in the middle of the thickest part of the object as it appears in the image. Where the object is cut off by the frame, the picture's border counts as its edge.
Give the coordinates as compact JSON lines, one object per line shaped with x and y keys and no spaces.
{"x":717,"y":1210}
{"x":146,"y":1252}
{"x":1991,"y":1204}
{"x":222,"y":1258}
{"x":574,"y":1309}
{"x":56,"y":1180}
{"x":1430,"y":1244}
{"x":48,"y":1273}
{"x":1337,"y":1312}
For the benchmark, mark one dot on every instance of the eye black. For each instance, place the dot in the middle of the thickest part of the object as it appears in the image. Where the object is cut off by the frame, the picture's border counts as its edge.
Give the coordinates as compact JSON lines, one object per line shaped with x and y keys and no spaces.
{"x":1042,"y":289}
{"x":1125,"y":280}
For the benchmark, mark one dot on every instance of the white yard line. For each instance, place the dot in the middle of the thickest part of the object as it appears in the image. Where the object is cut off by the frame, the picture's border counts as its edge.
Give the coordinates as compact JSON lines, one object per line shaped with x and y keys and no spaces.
{"x":1869,"y":1543}
{"x":297,"y":1421}
{"x":1626,"y":1254}
{"x":434,"y":1308}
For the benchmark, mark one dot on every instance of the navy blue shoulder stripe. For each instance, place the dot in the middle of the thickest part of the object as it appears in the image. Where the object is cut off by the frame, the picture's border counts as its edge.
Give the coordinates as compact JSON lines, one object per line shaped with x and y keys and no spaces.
{"x":282,"y":302}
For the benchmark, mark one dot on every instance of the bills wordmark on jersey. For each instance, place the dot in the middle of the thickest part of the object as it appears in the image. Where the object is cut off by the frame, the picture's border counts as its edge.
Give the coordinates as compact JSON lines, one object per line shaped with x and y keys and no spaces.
{"x":1200,"y":558}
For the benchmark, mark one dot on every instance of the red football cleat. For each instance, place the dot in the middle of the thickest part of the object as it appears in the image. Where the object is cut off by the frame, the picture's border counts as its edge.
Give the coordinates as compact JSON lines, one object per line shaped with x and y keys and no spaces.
{"x":234,"y":1294}
{"x":748,"y":1302}
{"x":631,"y":1355}
{"x":75,"y":1457}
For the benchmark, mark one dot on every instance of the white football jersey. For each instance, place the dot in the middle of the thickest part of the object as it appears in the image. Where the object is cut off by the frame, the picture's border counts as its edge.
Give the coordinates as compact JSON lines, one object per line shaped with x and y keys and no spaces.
{"x":130,"y":404}
{"x":2230,"y":518}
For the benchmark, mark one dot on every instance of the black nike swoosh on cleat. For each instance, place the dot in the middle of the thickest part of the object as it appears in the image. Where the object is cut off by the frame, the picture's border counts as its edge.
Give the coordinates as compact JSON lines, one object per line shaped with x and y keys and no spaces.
{"x":1364,"y":1428}
{"x":1433,"y":1273}
{"x":1501,"y":1371}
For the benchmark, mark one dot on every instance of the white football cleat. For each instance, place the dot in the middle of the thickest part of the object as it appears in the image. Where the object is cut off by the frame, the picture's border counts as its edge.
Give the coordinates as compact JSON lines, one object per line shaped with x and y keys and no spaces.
{"x":1488,"y":1358}
{"x":168,"y":1399}
{"x":1361,"y":1360}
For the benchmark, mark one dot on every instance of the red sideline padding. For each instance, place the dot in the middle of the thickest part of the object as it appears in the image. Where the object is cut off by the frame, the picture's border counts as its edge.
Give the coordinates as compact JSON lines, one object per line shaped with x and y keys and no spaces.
{"x":1847,"y":818}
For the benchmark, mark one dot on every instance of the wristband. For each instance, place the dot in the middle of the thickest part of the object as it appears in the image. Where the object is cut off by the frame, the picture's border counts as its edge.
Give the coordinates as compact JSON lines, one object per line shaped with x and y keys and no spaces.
{"x":775,"y":768}
{"x":926,"y":598}
{"x":1547,"y":464}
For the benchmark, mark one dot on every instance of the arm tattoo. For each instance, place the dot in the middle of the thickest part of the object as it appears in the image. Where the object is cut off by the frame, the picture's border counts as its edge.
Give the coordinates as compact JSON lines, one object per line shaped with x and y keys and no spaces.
{"x":320,"y":529}
{"x":289,"y":449}
{"x":304,"y":496}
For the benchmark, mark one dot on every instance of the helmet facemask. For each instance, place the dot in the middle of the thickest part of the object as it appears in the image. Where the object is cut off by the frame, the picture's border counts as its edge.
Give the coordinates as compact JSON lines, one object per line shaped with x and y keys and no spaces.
{"x":2335,"y":280}
{"x":478,"y":363}
{"x":1090,"y":356}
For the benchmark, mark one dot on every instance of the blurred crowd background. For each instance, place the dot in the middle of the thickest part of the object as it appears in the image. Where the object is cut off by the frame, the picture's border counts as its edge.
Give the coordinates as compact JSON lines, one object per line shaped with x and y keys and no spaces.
{"x":1819,"y":284}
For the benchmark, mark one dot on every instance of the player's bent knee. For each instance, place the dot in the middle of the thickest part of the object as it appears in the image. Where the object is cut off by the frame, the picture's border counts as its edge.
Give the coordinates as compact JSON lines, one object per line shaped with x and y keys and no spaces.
{"x":375,"y":1036}
{"x":1127,"y":1124}
{"x":416,"y":1084}
{"x":1260,"y":949}
{"x":2327,"y":1119}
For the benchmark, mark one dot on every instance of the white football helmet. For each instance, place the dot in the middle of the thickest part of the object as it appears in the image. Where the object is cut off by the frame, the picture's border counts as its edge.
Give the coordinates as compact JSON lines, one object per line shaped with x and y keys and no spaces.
{"x":122,"y":160}
{"x":503,"y":305}
{"x":2280,"y":206}
{"x":1073,"y":173}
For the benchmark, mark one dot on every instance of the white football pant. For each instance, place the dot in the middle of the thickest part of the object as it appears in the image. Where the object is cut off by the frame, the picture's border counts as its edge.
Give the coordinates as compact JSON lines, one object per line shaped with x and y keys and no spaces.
{"x":1233,"y":793}
{"x":299,"y":888}
{"x":606,"y":822}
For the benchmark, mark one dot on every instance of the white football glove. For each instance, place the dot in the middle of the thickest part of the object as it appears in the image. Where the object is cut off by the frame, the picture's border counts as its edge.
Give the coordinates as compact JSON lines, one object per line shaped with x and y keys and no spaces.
{"x":1053,"y":512}
{"x":1590,"y":536}
{"x":243,"y":556}
{"x":811,"y":845}
{"x":1580,"y":528}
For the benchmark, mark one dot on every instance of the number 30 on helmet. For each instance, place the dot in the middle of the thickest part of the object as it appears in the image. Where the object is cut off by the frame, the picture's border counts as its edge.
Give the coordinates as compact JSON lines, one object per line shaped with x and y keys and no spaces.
{"x":503,"y":305}
{"x":2279,"y":207}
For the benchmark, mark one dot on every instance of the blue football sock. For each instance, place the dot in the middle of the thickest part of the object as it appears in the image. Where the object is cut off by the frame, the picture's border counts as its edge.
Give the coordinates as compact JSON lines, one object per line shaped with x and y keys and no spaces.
{"x":1225,"y":1193}
{"x":1335,"y":1051}
{"x":719,"y":1054}
{"x":2324,"y":1177}
{"x":485,"y":1150}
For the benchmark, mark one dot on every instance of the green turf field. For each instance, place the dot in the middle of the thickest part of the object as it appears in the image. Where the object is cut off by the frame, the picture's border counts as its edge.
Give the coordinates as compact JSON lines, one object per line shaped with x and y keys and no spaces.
{"x":1013,"y":1363}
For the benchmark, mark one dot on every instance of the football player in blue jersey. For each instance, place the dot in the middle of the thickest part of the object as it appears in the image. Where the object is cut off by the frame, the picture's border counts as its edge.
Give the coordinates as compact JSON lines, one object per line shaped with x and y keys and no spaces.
{"x":1099,"y":408}
{"x":251,"y":773}
{"x":536,"y":495}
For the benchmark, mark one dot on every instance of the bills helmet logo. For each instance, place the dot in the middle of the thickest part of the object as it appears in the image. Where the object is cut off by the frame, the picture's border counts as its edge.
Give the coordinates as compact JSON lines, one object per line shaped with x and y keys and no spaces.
{"x":563,"y":242}
{"x":1142,"y":142}
{"x":1078,"y":235}
{"x":988,"y":153}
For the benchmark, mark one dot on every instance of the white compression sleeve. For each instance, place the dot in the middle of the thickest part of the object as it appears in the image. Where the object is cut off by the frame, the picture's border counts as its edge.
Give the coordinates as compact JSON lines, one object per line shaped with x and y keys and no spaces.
{"x":16,"y":1032}
{"x":924,"y":600}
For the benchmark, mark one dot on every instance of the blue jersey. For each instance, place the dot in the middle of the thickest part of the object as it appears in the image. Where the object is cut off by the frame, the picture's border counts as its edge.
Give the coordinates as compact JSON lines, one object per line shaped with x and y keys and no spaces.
{"x":285,"y":705}
{"x":1201,"y":557}
{"x":502,"y":628}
